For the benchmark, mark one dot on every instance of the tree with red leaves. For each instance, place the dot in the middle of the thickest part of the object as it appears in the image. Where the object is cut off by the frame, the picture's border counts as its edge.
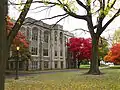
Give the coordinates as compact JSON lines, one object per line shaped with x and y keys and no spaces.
{"x":19,"y":40}
{"x":113,"y":54}
{"x":80,"y":48}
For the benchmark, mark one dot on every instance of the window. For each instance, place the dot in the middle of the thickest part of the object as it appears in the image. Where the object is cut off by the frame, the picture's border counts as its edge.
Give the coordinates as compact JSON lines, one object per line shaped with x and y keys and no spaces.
{"x":34,"y":51}
{"x":45,"y":52}
{"x":61,"y":38}
{"x":55,"y":53}
{"x":35,"y":33}
{"x":61,"y":64}
{"x":65,"y":40}
{"x":34,"y":37}
{"x":22,"y":29}
{"x":46,"y":36}
{"x":34,"y":64}
{"x":28,"y":33}
{"x":55,"y":35}
{"x":20,"y":65}
{"x":61,"y":53}
{"x":56,"y":63}
{"x":45,"y":64}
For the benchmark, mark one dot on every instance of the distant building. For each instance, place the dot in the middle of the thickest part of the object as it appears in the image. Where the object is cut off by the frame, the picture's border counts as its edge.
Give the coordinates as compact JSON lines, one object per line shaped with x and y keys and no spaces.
{"x":47,"y":45}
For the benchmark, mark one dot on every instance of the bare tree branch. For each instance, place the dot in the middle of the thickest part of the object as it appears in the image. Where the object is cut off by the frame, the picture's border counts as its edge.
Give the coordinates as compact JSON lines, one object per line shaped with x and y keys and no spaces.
{"x":60,"y":20}
{"x":45,"y":9}
{"x":113,"y":4}
{"x":66,"y":9}
{"x":65,"y":15}
{"x":108,"y":1}
{"x":42,"y":7}
{"x":103,"y":4}
{"x":54,"y":3}
{"x":80,"y":29}
{"x":116,"y":14}
{"x":81,"y":4}
{"x":54,"y":16}
{"x":19,"y":22}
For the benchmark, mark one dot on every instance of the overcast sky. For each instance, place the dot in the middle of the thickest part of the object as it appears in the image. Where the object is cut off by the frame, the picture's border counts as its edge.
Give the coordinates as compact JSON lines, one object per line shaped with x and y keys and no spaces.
{"x":69,"y":23}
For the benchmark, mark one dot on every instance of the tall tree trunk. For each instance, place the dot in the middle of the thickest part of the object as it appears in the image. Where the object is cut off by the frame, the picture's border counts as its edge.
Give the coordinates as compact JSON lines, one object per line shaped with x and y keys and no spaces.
{"x":94,"y":68}
{"x":3,"y":41}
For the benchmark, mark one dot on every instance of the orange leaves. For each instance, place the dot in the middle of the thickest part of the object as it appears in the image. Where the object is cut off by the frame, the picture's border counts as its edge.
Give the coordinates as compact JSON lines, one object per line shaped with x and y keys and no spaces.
{"x":113,"y":54}
{"x":9,"y":24}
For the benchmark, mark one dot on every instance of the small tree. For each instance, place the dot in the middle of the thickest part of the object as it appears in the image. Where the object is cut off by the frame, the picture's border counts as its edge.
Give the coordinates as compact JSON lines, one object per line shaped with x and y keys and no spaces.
{"x":19,"y":40}
{"x":113,"y":54}
{"x":80,"y":48}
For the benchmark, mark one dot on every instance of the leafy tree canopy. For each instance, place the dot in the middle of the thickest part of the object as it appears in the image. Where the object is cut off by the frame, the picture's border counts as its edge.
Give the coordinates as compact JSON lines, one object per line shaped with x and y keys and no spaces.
{"x":80,"y":47}
{"x":116,"y":36}
{"x":19,"y":40}
{"x":103,"y":48}
{"x":113,"y":54}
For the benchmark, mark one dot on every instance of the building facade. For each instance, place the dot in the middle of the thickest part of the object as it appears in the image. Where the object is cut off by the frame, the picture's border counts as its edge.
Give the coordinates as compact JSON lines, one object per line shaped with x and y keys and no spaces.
{"x":47,"y":44}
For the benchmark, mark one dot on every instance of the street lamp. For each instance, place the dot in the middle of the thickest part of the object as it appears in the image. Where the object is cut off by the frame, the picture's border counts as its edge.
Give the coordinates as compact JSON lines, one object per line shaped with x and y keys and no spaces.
{"x":16,"y":64}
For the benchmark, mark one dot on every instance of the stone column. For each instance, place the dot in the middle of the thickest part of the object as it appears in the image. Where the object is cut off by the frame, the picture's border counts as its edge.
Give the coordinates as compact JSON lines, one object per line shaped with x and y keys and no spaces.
{"x":38,"y":51}
{"x":30,"y":39}
{"x":58,"y":48}
{"x":63,"y":47}
{"x":52,"y":49}
{"x":41,"y":50}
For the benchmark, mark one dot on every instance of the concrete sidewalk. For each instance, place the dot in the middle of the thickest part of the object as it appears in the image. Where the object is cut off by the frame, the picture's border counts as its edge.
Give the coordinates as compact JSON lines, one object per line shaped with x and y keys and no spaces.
{"x":29,"y":73}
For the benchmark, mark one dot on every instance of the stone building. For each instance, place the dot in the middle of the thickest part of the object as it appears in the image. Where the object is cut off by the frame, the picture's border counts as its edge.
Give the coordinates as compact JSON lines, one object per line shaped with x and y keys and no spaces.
{"x":47,"y":45}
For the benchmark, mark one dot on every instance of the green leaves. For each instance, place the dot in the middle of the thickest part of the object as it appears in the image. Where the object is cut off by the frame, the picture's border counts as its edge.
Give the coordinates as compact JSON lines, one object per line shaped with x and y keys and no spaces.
{"x":103,"y":48}
{"x":69,"y":5}
{"x":116,"y":36}
{"x":89,"y":2}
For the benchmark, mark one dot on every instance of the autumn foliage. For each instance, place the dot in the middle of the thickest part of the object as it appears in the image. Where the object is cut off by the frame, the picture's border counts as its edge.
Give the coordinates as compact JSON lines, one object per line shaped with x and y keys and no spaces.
{"x":80,"y":47}
{"x":113,"y":54}
{"x":20,"y":38}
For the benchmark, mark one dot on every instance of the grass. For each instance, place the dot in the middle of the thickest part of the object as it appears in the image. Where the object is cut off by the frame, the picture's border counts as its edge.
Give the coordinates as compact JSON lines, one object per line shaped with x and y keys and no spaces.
{"x":67,"y":81}
{"x":115,"y":67}
{"x":84,"y":66}
{"x":88,"y":66}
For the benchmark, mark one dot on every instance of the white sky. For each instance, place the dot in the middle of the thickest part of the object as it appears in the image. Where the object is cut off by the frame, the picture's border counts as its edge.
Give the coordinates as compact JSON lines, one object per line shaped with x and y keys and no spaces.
{"x":69,"y":23}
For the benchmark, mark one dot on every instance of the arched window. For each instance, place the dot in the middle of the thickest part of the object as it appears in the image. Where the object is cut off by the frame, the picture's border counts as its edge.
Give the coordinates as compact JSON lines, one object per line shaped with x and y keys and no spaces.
{"x":65,"y":39}
{"x":61,"y":37}
{"x":22,"y":29}
{"x":35,"y":33}
{"x":46,"y":37}
{"x":55,"y":35}
{"x":28,"y":33}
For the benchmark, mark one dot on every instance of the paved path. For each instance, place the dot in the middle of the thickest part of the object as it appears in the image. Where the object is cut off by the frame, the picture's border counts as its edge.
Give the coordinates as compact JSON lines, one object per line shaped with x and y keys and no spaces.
{"x":43,"y":72}
{"x":47,"y":72}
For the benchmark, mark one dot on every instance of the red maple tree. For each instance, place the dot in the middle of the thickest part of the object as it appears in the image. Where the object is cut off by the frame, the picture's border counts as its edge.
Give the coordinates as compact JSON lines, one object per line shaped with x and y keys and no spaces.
{"x":20,"y":38}
{"x":113,"y":54}
{"x":80,"y":48}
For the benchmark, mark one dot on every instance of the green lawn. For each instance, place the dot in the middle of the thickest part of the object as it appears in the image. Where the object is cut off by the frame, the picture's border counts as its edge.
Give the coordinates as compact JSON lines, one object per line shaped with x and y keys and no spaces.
{"x":67,"y":81}
{"x":84,"y":66}
{"x":88,"y":66}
